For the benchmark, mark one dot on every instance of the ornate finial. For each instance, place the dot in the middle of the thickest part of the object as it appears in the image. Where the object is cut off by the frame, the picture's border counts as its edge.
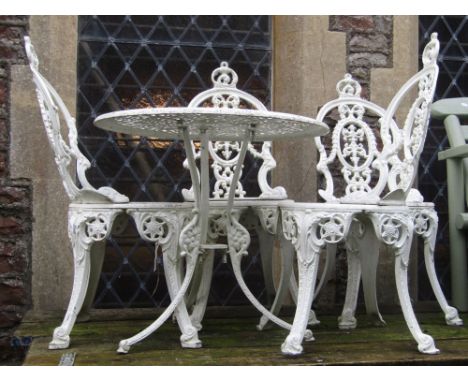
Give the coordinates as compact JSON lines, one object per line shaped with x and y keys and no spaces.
{"x":31,"y":53}
{"x":224,"y":76}
{"x":431,"y":51}
{"x":348,"y":87}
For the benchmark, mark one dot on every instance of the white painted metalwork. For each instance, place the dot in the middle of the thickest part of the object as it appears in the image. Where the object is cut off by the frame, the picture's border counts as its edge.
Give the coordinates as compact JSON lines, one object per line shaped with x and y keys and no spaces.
{"x":93,"y":211}
{"x":223,"y":121}
{"x":361,"y":216}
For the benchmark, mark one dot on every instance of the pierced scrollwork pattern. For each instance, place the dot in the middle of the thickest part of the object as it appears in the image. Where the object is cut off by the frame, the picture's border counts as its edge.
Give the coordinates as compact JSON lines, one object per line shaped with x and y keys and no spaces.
{"x":52,"y":107}
{"x":409,"y":142}
{"x":353,"y":145}
{"x":217,"y":226}
{"x":390,"y":230}
{"x":189,"y":240}
{"x":97,"y":228}
{"x":422,"y":223}
{"x":268,"y":217}
{"x":290,"y":227}
{"x":238,"y":238}
{"x":224,"y":76}
{"x":225,"y":154}
{"x":332,"y":229}
{"x":88,"y":226}
{"x":348,"y":87}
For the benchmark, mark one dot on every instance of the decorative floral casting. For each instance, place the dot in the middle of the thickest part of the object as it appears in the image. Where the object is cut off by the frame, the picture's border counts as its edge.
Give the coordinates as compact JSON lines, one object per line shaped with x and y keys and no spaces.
{"x":224,"y":154}
{"x":332,"y":229}
{"x":421,"y":223}
{"x":390,"y":230}
{"x":154,"y":228}
{"x":51,"y":107}
{"x":97,"y":228}
{"x":348,"y":87}
{"x":224,"y":76}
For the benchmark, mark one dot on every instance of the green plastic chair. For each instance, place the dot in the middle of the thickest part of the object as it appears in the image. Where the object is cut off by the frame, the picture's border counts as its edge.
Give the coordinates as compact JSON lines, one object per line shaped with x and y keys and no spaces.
{"x":453,"y":111}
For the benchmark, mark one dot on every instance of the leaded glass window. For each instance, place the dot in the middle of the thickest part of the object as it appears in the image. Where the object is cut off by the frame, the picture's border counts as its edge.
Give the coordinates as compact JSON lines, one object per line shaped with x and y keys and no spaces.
{"x":157,"y":61}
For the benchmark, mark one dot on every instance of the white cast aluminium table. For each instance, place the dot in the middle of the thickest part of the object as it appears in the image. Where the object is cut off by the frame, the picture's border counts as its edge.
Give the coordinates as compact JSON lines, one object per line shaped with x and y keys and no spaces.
{"x":205,"y":124}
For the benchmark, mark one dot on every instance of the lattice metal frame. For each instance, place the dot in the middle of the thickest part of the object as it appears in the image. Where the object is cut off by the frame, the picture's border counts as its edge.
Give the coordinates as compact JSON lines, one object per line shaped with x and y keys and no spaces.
{"x":156,"y":61}
{"x":453,"y":82}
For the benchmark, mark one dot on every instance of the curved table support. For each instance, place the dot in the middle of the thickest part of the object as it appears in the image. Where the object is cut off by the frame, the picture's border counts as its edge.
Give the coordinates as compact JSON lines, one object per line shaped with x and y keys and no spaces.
{"x":239,"y":240}
{"x":190,"y":244}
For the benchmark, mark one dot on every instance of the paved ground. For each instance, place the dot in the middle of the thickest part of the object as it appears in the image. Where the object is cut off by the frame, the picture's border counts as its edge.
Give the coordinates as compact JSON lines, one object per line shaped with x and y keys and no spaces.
{"x":236,"y":342}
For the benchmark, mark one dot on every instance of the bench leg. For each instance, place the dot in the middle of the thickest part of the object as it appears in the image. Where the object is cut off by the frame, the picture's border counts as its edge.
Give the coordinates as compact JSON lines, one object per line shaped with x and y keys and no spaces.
{"x":426,"y":223}
{"x":84,"y":229}
{"x":396,"y":231}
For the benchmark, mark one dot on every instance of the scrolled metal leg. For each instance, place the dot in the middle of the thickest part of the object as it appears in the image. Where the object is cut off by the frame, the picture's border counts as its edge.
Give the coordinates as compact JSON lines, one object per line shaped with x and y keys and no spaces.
{"x":84,"y":229}
{"x":396,"y":231}
{"x":266,"y":229}
{"x":162,"y":228}
{"x":266,"y":245}
{"x":239,"y":240}
{"x":201,"y":299}
{"x":369,"y":247}
{"x":309,"y":232}
{"x":287,"y":257}
{"x":347,"y":319}
{"x":301,"y":231}
{"x":426,"y":223}
{"x":124,"y":345}
{"x":189,"y":337}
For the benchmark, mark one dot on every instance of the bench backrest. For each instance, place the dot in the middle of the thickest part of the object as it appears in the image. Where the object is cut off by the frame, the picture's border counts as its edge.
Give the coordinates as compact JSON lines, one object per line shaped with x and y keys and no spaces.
{"x":66,"y":151}
{"x":367,"y":153}
{"x":224,"y":154}
{"x":408,"y":141}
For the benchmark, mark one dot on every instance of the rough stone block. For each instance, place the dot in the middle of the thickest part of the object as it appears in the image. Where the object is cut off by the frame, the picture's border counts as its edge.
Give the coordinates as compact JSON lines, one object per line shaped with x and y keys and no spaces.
{"x":13,"y":259}
{"x":3,"y":91}
{"x":13,"y":292}
{"x":4,"y":138}
{"x":11,"y":196}
{"x":11,"y":225}
{"x":10,"y":317}
{"x":368,"y":60}
{"x":384,"y":24}
{"x":352,"y":23}
{"x":369,"y":43}
{"x":14,"y":20}
{"x":3,"y":163}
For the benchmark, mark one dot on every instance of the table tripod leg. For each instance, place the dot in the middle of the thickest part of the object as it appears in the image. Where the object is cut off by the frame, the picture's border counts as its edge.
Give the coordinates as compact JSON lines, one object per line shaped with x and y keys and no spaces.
{"x":287,"y":256}
{"x":239,"y":240}
{"x":189,"y":337}
{"x":124,"y":345}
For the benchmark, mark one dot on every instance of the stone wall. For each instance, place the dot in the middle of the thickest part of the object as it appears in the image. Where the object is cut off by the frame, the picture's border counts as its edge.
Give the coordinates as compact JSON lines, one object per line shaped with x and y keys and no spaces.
{"x":369,"y":44}
{"x":15,"y":197}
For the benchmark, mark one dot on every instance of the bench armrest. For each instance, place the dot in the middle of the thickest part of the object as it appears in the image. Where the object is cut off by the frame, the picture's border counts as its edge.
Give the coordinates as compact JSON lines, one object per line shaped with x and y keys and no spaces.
{"x":454,"y":152}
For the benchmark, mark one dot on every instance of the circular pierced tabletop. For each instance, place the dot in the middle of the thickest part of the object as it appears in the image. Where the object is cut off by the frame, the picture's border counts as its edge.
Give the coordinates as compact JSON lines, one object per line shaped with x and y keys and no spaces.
{"x":218,"y":123}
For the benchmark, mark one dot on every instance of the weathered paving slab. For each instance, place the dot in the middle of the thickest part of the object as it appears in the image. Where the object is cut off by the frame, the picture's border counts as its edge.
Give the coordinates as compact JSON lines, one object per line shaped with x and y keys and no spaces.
{"x":235,"y":341}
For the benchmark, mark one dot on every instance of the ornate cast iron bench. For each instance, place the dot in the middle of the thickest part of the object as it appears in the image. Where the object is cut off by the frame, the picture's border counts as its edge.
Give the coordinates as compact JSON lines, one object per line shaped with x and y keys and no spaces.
{"x":369,"y":202}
